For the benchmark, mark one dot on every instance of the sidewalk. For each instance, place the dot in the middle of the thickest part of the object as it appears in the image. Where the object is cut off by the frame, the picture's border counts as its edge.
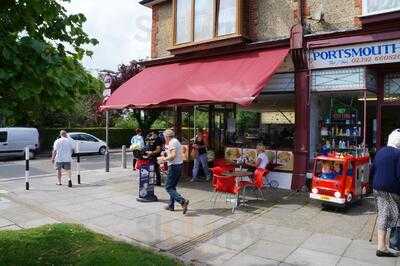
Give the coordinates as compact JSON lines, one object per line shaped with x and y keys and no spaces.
{"x":285,"y":229}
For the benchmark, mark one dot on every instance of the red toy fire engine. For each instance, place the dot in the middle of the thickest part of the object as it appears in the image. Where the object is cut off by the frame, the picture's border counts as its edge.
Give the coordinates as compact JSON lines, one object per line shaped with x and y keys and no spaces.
{"x":340,"y":179}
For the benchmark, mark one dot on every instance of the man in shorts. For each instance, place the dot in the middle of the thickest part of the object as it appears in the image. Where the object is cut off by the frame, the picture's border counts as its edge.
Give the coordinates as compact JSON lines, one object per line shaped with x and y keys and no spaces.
{"x":62,"y":155}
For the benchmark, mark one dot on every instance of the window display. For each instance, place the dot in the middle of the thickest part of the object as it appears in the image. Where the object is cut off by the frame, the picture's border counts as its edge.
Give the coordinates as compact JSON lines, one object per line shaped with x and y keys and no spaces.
{"x":341,"y":126}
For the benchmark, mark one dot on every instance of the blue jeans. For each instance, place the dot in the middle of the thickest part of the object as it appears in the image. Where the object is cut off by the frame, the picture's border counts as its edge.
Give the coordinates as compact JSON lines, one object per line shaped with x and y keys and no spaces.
{"x":200,"y":159}
{"x":174,"y":173}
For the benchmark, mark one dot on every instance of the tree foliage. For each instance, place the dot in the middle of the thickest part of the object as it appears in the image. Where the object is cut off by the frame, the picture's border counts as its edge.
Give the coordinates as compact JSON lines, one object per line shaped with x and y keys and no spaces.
{"x":40,"y":51}
{"x":144,"y":117}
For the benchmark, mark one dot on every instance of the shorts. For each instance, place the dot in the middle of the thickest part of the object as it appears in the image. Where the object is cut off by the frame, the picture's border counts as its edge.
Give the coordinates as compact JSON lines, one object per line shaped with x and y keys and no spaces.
{"x":63,"y":165}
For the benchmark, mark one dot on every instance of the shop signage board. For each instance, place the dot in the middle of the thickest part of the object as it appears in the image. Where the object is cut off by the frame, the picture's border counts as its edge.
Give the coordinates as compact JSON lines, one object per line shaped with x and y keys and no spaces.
{"x":355,"y":55}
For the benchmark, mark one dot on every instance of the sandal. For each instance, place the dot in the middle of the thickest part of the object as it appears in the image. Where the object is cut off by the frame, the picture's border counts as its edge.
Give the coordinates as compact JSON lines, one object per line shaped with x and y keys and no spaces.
{"x":59,"y":184}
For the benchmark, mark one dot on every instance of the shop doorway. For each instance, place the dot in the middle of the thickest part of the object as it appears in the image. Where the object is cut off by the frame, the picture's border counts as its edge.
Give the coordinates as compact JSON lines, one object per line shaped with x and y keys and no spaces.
{"x":390,"y":121}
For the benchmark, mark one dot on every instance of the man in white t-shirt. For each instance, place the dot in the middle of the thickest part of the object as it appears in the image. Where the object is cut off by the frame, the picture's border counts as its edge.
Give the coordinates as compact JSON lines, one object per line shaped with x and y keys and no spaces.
{"x":175,"y":162}
{"x":62,"y":155}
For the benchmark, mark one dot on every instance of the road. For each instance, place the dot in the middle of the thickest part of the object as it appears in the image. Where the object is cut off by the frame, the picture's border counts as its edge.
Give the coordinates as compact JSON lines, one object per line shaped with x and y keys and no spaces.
{"x":10,"y":169}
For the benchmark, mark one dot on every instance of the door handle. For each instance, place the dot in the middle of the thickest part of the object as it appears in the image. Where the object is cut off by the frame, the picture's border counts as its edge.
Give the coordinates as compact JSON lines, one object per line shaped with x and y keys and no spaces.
{"x":5,"y":144}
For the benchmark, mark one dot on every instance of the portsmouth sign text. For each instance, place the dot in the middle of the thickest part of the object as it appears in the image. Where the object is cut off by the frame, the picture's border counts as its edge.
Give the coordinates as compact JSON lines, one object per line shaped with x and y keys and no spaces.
{"x":355,"y":55}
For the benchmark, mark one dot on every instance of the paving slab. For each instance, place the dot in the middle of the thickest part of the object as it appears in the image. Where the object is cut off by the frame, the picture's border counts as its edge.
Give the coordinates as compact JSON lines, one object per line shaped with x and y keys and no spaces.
{"x":209,"y":254}
{"x":171,"y":242}
{"x":286,"y":235}
{"x":236,"y":239}
{"x":246,"y":259}
{"x":38,"y":222}
{"x":353,"y":262}
{"x":310,"y":258}
{"x":5,"y":222}
{"x":10,"y":227}
{"x":364,"y":251}
{"x":327,"y":243}
{"x":270,"y":250}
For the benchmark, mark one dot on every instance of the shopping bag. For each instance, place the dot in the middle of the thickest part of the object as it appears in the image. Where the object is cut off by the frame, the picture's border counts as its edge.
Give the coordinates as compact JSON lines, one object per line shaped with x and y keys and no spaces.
{"x":394,"y":240}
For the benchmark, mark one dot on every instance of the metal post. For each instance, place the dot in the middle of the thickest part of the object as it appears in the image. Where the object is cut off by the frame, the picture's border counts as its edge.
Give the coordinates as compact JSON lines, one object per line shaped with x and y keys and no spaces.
{"x":78,"y":161}
{"x":107,"y":154}
{"x":27,"y":168}
{"x":365,"y":119}
{"x":123,"y":157}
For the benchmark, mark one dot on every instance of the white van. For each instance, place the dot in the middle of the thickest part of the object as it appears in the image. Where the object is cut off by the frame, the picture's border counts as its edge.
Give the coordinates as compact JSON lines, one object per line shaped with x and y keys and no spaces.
{"x":13,"y":141}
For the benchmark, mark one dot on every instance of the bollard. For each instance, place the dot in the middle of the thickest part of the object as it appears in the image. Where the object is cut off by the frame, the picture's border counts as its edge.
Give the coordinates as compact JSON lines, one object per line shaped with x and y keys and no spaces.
{"x":107,"y":159}
{"x":123,"y":157}
{"x":27,"y":168}
{"x":78,"y":161}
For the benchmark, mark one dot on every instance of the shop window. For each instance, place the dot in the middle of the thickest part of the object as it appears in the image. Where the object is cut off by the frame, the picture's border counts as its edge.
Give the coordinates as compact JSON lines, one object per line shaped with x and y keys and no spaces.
{"x":282,"y":82}
{"x":202,"y":20}
{"x":342,"y":79}
{"x":392,"y":87}
{"x":372,"y":7}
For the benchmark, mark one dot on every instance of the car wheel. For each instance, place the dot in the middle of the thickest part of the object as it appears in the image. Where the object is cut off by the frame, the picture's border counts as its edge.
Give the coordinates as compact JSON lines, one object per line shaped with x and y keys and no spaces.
{"x":102,"y":150}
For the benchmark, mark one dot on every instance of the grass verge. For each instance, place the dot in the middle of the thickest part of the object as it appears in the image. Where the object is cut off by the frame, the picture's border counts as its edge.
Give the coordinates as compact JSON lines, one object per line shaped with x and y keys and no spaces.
{"x":68,"y":244}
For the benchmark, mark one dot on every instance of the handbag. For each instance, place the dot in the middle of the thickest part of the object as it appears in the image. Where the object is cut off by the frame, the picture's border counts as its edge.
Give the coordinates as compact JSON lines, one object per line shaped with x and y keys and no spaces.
{"x":394,"y":238}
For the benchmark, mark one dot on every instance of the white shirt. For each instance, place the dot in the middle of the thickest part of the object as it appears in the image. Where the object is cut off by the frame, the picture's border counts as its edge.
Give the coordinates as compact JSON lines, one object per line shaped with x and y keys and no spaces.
{"x":64,"y":148}
{"x":174,"y":144}
{"x":264,"y":160}
{"x":138,"y":139}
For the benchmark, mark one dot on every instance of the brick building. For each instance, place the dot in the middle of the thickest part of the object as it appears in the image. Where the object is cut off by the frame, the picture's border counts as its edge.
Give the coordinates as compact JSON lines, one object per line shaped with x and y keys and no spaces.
{"x":338,"y":85}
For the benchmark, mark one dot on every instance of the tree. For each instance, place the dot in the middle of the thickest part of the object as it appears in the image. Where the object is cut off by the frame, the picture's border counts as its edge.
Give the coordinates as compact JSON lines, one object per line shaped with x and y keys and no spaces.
{"x":144,"y":117}
{"x":40,"y":52}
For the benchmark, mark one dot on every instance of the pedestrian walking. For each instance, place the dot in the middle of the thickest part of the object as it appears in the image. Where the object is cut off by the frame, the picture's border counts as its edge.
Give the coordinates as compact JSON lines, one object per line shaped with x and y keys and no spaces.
{"x":200,"y":157}
{"x":173,"y":157}
{"x":62,"y":155}
{"x":386,"y":183}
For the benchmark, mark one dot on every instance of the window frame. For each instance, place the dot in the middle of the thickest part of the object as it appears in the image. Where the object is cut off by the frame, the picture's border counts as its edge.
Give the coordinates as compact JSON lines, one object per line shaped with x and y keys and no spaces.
{"x":238,"y":26}
{"x":365,"y":9}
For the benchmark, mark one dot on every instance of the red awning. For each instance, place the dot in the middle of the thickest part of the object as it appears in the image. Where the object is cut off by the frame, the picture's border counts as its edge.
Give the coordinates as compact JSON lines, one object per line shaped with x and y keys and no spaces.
{"x":235,"y":78}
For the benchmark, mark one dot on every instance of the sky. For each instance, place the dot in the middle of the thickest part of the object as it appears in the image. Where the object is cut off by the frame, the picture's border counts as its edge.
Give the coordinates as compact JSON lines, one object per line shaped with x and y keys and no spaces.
{"x":122,"y":28}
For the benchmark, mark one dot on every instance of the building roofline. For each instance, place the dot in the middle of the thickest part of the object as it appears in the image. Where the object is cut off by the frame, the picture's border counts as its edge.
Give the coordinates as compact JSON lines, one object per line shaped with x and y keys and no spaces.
{"x":150,"y":3}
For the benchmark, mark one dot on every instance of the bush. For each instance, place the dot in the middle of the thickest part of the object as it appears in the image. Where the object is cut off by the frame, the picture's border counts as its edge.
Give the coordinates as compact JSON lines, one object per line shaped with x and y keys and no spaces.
{"x":117,"y":136}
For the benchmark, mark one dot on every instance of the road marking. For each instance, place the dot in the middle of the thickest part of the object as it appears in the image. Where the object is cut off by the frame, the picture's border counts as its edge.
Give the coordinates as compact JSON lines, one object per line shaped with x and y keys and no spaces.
{"x":2,"y":191}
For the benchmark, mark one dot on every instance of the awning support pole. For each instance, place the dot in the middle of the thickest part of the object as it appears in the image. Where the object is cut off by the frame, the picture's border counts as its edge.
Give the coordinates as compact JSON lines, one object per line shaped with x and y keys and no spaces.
{"x":107,"y":154}
{"x":365,"y":119}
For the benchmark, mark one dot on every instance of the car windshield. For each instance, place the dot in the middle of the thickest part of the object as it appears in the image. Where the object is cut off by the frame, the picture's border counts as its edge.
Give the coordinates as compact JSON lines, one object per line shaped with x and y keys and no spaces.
{"x":327,"y":169}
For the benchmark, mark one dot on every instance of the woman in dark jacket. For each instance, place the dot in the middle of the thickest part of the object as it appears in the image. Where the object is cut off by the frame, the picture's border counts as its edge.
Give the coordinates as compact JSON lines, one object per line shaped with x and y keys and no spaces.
{"x":386,"y":183}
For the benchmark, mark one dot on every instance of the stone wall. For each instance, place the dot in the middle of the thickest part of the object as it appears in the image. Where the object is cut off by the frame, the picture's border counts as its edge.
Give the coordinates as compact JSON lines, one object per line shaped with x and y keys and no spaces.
{"x":269,"y":19}
{"x":337,"y":15}
{"x":162,"y":31}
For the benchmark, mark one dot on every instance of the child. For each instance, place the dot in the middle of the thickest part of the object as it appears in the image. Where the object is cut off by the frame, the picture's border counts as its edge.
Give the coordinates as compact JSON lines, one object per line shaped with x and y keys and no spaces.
{"x":327,"y":172}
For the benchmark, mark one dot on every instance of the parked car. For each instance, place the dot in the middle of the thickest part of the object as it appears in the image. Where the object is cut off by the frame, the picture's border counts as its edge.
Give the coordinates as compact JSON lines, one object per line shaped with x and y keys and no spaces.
{"x":14,"y":140}
{"x":88,"y":143}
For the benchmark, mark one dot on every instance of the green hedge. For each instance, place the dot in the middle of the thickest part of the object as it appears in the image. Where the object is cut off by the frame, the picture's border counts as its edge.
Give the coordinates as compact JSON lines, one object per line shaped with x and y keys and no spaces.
{"x":117,"y":137}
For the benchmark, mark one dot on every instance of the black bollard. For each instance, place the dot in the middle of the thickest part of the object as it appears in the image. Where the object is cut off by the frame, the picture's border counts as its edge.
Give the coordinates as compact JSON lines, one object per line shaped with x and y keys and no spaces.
{"x":27,"y":168}
{"x":107,"y":159}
